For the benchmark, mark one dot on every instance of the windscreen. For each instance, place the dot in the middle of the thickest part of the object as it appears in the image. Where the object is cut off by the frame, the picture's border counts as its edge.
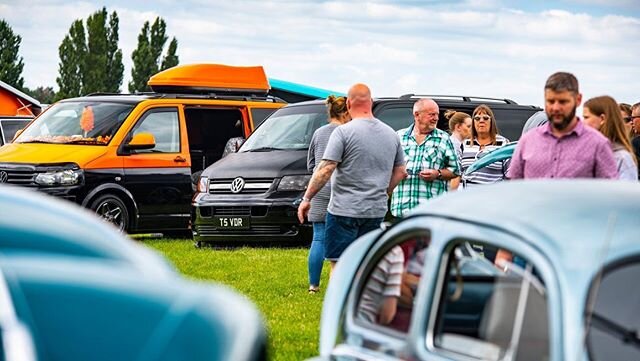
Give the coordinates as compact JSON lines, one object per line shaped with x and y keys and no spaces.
{"x":289,"y":128}
{"x":92,"y":123}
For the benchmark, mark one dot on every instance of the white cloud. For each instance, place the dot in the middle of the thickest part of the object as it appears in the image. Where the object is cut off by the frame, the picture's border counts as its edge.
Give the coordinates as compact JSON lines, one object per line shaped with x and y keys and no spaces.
{"x":473,"y":47}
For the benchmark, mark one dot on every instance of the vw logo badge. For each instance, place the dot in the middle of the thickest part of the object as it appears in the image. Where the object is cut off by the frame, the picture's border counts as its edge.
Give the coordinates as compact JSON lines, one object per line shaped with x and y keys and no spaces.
{"x":237,"y":185}
{"x":4,"y":176}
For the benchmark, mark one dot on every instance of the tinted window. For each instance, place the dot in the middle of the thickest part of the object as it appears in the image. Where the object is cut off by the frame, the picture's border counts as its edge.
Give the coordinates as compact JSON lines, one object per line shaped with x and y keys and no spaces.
{"x":615,"y":320}
{"x":386,"y":298}
{"x":486,"y":312}
{"x":10,"y":127}
{"x":397,"y":117}
{"x":258,"y":115}
{"x":511,"y":121}
{"x":164,"y":127}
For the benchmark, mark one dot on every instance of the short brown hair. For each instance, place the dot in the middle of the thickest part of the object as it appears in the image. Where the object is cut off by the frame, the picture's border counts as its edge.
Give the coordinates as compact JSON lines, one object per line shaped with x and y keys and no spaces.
{"x":562,"y":81}
{"x":336,"y":106}
{"x":455,"y":118}
{"x":635,"y":106}
{"x":493,"y":131}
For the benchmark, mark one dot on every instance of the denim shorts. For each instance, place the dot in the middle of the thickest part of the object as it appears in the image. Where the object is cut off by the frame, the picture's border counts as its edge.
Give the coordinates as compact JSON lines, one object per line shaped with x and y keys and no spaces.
{"x":341,"y":231}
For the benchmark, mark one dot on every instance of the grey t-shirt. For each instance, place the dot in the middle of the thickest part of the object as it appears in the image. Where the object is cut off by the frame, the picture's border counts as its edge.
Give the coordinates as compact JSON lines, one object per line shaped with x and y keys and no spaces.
{"x":366,"y":150}
{"x":320,"y":201}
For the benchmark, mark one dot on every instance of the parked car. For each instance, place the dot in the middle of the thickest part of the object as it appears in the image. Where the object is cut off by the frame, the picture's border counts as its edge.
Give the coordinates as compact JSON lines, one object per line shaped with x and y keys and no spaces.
{"x":9,"y":126}
{"x":251,"y":195}
{"x":62,"y":299}
{"x":132,"y":158}
{"x":562,"y":288}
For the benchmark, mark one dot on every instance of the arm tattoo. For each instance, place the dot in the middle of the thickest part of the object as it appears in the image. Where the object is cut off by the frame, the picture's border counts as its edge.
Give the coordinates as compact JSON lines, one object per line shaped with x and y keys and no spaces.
{"x":320,"y":177}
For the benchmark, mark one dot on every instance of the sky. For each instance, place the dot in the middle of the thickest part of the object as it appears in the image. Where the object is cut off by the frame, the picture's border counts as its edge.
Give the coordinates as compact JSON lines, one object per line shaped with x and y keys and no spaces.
{"x":488,"y":48}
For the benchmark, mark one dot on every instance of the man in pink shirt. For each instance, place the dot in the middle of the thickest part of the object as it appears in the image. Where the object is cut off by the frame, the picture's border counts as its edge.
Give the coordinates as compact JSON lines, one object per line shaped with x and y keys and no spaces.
{"x":564,"y":147}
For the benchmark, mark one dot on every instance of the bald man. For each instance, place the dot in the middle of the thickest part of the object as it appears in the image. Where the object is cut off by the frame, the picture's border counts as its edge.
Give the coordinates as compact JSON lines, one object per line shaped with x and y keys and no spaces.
{"x":368,"y":162}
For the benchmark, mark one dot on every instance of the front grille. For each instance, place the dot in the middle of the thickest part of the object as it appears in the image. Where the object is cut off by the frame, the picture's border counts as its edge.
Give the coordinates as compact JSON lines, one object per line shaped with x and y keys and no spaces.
{"x":17,"y":176}
{"x":251,"y":186}
{"x":231,"y":211}
{"x":255,"y":229}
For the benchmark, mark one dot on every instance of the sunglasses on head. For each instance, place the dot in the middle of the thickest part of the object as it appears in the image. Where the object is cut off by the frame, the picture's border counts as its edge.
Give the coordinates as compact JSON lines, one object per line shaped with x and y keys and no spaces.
{"x":483,"y":117}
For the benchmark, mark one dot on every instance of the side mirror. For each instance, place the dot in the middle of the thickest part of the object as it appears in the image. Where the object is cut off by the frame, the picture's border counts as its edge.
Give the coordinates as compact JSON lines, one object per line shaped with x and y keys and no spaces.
{"x":232,"y":146}
{"x":141,"y":141}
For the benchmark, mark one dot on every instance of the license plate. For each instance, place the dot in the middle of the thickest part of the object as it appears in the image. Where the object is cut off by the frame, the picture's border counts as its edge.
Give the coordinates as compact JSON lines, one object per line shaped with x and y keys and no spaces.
{"x":232,"y":222}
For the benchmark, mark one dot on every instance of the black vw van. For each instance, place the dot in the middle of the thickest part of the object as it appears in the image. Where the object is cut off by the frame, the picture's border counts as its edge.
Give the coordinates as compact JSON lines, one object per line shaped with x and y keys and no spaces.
{"x":252,"y":195}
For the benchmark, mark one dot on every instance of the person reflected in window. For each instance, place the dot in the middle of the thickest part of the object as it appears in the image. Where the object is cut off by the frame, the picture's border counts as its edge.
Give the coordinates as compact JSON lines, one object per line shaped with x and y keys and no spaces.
{"x":379,"y":299}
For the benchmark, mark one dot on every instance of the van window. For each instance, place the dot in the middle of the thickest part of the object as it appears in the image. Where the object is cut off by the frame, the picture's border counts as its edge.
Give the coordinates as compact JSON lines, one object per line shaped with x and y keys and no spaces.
{"x":288,"y":128}
{"x":92,"y":123}
{"x":164,"y":126}
{"x":397,"y":117}
{"x":258,"y":115}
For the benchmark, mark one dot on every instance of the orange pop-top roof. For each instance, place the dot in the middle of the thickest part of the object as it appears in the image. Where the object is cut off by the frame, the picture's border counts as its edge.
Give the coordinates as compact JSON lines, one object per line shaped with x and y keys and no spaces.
{"x":212,"y":77}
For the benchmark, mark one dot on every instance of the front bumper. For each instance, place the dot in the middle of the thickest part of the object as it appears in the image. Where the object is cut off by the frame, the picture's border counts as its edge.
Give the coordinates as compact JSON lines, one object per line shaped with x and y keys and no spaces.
{"x":270,"y":220}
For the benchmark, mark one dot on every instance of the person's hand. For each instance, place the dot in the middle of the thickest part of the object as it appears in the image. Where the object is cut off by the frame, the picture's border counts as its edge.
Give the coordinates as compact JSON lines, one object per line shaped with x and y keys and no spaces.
{"x":303,"y":210}
{"x":429,"y":175}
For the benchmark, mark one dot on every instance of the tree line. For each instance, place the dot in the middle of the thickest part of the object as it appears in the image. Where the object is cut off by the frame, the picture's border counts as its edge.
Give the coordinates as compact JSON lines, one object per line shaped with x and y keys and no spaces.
{"x":90,"y":58}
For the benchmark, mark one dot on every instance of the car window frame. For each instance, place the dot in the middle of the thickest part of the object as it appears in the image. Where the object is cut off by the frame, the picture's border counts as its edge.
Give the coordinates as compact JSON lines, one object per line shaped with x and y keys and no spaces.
{"x":450,"y":234}
{"x":390,"y":338}
{"x":143,"y":116}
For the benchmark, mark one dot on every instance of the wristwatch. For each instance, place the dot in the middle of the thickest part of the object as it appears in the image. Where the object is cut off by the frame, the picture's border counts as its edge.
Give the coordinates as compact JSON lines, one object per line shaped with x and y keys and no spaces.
{"x":305,"y":199}
{"x":439,"y":174}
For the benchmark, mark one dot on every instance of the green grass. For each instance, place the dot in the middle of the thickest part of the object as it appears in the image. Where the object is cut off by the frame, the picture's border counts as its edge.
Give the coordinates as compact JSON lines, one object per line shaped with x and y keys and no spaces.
{"x":275,"y":279}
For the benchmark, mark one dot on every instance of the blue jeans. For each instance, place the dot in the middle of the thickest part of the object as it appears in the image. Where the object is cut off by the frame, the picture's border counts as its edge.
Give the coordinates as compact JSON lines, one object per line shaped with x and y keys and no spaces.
{"x":316,"y":254}
{"x":341,"y":231}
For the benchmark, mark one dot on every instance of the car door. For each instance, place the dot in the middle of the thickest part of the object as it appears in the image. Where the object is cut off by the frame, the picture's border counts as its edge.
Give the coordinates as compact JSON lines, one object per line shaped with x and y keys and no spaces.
{"x":160,"y":178}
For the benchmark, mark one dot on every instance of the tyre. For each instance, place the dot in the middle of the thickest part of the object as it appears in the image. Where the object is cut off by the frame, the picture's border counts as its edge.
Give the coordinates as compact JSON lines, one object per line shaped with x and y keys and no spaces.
{"x":112,"y":209}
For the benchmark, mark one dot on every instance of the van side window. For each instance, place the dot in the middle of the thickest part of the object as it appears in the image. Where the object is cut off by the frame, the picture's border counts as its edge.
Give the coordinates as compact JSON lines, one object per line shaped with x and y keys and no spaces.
{"x":258,"y":115}
{"x":489,"y":312}
{"x":397,"y":117}
{"x":165,"y":128}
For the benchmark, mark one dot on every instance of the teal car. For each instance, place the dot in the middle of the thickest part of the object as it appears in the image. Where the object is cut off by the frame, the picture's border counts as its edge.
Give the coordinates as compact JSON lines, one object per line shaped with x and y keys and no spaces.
{"x":519,"y":270}
{"x":74,"y":288}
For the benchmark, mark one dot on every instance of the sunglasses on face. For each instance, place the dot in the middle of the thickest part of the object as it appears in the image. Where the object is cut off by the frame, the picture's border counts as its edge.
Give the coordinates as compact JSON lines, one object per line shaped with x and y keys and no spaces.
{"x":481,"y":117}
{"x":630,"y":118}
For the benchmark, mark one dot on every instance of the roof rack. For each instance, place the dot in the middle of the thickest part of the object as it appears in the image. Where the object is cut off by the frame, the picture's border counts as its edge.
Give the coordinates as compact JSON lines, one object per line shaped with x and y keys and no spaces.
{"x":460,"y":97}
{"x":244,"y":97}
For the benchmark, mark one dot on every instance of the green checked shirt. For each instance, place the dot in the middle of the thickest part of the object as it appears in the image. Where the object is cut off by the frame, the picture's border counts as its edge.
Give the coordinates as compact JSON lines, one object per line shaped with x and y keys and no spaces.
{"x":435,"y":152}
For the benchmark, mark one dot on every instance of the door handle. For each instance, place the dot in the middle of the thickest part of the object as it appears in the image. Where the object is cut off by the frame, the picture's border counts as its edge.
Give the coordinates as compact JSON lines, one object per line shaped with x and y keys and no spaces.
{"x":179,"y":159}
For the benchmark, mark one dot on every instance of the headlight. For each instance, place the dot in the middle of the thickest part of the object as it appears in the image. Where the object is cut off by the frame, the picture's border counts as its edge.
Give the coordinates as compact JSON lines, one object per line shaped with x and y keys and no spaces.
{"x":294,"y":183}
{"x":203,"y":185}
{"x":63,"y":178}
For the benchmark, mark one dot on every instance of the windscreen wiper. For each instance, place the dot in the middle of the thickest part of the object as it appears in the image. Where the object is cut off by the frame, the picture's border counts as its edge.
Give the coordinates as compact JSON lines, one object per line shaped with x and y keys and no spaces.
{"x":264,"y":149}
{"x":626,"y":335}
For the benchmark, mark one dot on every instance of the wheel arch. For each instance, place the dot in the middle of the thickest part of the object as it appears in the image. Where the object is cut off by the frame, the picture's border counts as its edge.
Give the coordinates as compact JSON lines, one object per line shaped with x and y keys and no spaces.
{"x":120,"y":191}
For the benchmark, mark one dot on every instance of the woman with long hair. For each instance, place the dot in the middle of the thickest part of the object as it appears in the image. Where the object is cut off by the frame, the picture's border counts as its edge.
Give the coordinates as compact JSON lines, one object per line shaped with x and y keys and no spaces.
{"x":603,"y":114}
{"x":460,"y":129}
{"x":484,"y":139}
{"x":338,"y":115}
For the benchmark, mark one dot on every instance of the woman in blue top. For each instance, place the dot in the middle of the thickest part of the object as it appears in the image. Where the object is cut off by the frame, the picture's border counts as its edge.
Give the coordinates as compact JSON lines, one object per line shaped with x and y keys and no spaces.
{"x":338,"y":114}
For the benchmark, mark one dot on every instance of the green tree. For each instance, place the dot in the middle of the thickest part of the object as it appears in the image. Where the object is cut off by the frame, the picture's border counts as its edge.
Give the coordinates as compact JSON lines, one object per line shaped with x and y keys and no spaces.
{"x":171,"y":59}
{"x":72,"y":62}
{"x":95,"y":75}
{"x":148,"y":54}
{"x":11,"y":64}
{"x":115,"y":68}
{"x":45,"y":95}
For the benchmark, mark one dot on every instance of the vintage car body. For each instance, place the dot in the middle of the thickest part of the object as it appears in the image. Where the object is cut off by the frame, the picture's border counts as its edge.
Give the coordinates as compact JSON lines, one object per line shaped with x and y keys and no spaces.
{"x":568,"y":232}
{"x":74,"y":288}
{"x":497,"y":155}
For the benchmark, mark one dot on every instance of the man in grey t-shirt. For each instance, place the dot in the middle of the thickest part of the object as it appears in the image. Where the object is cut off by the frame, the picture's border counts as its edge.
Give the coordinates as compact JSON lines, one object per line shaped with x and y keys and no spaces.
{"x":368,"y":161}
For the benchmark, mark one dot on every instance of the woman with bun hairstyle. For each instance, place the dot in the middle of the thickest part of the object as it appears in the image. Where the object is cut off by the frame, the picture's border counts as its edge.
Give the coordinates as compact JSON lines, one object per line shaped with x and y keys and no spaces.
{"x":338,"y":115}
{"x":460,"y":129}
{"x":603,"y":114}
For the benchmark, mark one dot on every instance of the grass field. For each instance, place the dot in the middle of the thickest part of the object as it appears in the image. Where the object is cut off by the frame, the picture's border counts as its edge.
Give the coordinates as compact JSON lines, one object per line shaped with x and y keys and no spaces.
{"x":275,"y":279}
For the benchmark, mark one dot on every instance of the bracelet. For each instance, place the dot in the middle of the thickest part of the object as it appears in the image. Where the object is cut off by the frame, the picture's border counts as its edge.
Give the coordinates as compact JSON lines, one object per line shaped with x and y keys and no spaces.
{"x":304,"y":199}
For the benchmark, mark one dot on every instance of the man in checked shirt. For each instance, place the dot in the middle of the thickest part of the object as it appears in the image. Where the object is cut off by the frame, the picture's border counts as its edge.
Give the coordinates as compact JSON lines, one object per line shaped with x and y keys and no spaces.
{"x":431,"y":159}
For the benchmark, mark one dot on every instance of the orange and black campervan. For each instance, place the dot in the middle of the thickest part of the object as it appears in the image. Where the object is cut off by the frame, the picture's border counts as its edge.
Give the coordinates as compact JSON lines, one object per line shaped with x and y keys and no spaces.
{"x":134,"y":159}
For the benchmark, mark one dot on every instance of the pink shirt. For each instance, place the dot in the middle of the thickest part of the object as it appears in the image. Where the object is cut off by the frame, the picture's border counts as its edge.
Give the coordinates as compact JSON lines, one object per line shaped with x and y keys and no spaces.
{"x":583,"y":153}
